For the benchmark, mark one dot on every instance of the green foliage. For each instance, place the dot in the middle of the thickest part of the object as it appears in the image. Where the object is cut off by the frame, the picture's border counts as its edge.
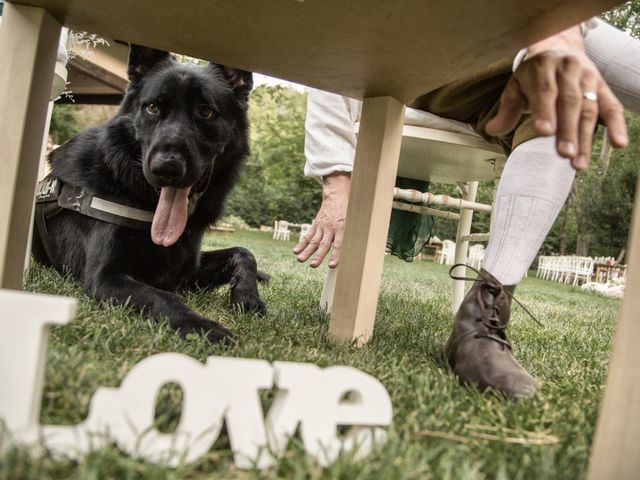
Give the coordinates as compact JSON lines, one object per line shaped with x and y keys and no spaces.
{"x":247,"y":200}
{"x":68,"y":120}
{"x":599,"y":209}
{"x":272,"y":185}
{"x":553,"y":243}
{"x":625,"y":17}
{"x":605,"y":198}
{"x":64,"y":123}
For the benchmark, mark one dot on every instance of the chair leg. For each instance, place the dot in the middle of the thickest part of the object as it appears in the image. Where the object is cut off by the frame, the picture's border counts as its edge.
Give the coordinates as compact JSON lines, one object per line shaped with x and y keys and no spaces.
{"x":326,"y":300}
{"x":360,"y":273}
{"x":462,"y":247}
{"x":29,"y":38}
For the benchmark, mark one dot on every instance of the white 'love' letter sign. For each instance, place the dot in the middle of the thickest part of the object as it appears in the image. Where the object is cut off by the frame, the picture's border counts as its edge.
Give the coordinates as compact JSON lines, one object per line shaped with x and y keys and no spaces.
{"x":316,"y":400}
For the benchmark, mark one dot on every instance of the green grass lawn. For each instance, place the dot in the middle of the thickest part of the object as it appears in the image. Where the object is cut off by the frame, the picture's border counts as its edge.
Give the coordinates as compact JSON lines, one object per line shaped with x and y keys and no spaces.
{"x":440,"y":430}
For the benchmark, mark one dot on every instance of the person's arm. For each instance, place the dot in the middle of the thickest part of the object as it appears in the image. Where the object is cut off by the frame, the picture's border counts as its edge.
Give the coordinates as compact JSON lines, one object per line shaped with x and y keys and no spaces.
{"x":565,"y":93}
{"x":330,"y":143}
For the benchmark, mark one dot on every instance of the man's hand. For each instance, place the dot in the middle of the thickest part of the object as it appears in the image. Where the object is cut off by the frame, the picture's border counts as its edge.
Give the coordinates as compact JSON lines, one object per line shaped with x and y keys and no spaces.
{"x":564,"y":92}
{"x":328,"y":226}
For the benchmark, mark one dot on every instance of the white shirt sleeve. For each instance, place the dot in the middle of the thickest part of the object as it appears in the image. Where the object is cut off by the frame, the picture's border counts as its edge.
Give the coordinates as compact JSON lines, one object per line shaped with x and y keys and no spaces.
{"x":330,"y":136}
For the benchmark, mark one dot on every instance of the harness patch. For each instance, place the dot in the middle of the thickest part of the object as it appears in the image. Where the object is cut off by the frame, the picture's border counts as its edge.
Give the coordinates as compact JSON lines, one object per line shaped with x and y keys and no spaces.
{"x":48,"y":189}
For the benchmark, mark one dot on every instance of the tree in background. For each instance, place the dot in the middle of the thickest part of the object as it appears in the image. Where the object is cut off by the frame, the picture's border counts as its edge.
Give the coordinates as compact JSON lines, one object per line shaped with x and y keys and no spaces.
{"x":64,"y":123}
{"x":625,"y":17}
{"x":69,"y":119}
{"x":595,"y":219}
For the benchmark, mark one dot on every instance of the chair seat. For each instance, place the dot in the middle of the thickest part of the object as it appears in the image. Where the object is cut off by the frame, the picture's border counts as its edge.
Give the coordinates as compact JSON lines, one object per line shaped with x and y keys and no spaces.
{"x":447,"y":157}
{"x":440,"y":150}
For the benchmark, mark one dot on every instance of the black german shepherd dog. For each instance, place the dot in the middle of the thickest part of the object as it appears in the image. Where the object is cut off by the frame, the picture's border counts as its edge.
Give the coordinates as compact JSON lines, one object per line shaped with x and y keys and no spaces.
{"x":175,"y":147}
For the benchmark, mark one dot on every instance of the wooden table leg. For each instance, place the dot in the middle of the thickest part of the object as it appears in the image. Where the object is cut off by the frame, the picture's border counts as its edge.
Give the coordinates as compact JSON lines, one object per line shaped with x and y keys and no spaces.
{"x":28,"y":48}
{"x":615,"y":448}
{"x":360,"y":272}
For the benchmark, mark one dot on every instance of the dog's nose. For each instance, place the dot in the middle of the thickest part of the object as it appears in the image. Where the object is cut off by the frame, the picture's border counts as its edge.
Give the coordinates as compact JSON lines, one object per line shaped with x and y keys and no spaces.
{"x":170,"y":168}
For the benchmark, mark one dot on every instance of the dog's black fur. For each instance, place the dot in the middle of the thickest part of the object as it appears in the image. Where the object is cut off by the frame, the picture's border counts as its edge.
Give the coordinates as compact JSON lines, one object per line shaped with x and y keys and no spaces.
{"x":179,"y":125}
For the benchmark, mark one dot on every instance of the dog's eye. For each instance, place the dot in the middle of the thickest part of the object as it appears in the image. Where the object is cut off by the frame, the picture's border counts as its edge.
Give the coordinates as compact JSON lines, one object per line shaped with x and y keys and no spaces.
{"x":205,"y":112}
{"x":152,"y":109}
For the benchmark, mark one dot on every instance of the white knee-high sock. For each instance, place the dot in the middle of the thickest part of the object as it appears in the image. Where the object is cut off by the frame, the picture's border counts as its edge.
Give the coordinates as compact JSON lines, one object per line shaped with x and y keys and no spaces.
{"x":534,"y":186}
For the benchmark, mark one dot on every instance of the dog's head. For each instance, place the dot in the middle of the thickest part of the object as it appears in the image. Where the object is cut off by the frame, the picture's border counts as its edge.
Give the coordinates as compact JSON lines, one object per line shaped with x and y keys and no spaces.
{"x":184,"y":116}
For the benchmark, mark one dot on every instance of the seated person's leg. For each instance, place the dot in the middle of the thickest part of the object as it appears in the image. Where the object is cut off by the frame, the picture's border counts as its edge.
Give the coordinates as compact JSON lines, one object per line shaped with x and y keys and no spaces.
{"x":534,"y":186}
{"x":532,"y":191}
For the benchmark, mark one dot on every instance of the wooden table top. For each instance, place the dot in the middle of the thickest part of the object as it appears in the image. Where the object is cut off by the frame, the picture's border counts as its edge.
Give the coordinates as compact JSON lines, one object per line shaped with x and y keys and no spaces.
{"x":356,"y":48}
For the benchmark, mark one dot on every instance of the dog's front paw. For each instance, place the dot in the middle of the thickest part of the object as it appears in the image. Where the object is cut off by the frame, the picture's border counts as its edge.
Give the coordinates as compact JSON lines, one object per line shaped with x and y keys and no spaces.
{"x":248,"y":303}
{"x":219,"y":334}
{"x":213,"y":331}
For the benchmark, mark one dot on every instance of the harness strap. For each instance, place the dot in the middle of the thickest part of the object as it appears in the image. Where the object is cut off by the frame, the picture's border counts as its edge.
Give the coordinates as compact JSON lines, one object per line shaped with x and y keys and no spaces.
{"x":104,"y":208}
{"x":119,"y":213}
{"x":40,"y":244}
{"x":47,"y":193}
{"x":53,"y":196}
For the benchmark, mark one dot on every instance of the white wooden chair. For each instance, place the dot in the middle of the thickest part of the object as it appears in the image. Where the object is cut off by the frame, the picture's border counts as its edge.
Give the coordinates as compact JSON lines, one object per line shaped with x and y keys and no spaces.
{"x":447,"y":253}
{"x":566,"y":268}
{"x":543,"y":265}
{"x":281,"y":230}
{"x":584,"y":270}
{"x":555,"y":267}
{"x":476,"y":256}
{"x":440,"y":151}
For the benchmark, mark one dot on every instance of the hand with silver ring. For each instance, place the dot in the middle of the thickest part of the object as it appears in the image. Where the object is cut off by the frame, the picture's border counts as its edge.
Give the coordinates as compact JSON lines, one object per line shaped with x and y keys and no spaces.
{"x":565,"y":93}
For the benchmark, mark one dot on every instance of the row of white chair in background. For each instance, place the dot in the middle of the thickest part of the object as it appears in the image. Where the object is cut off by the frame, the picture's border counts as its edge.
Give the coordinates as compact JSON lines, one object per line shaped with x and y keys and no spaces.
{"x":446,"y":254}
{"x":568,"y":268}
{"x":608,"y":260}
{"x":282,"y":229}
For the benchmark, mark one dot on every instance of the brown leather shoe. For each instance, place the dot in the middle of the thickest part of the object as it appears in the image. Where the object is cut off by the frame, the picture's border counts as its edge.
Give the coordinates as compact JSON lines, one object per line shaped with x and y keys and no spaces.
{"x":478,"y":350}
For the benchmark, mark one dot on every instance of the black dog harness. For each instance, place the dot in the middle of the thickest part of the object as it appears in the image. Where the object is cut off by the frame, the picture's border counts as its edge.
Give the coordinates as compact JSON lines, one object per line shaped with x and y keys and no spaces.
{"x":53,"y":196}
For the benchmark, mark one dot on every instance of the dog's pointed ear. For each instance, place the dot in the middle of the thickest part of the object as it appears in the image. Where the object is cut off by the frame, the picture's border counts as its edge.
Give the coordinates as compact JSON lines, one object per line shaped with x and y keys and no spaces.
{"x":142,"y":60}
{"x":240,"y":80}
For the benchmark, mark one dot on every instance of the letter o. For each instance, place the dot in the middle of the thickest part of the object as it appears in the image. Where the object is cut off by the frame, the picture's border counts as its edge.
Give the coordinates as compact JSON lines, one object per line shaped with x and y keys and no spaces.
{"x":200,"y":420}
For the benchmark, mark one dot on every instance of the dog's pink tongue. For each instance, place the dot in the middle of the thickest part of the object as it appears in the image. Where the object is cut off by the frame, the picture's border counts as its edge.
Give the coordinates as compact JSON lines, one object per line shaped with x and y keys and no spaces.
{"x":171,"y":216}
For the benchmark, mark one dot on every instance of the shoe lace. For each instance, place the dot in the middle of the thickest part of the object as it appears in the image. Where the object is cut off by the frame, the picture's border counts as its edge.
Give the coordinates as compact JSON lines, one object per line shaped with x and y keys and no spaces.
{"x":490,"y":313}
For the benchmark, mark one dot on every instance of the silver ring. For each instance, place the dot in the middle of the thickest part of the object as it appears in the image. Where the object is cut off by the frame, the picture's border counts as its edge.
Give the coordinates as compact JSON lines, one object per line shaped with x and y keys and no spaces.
{"x":590,"y":95}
